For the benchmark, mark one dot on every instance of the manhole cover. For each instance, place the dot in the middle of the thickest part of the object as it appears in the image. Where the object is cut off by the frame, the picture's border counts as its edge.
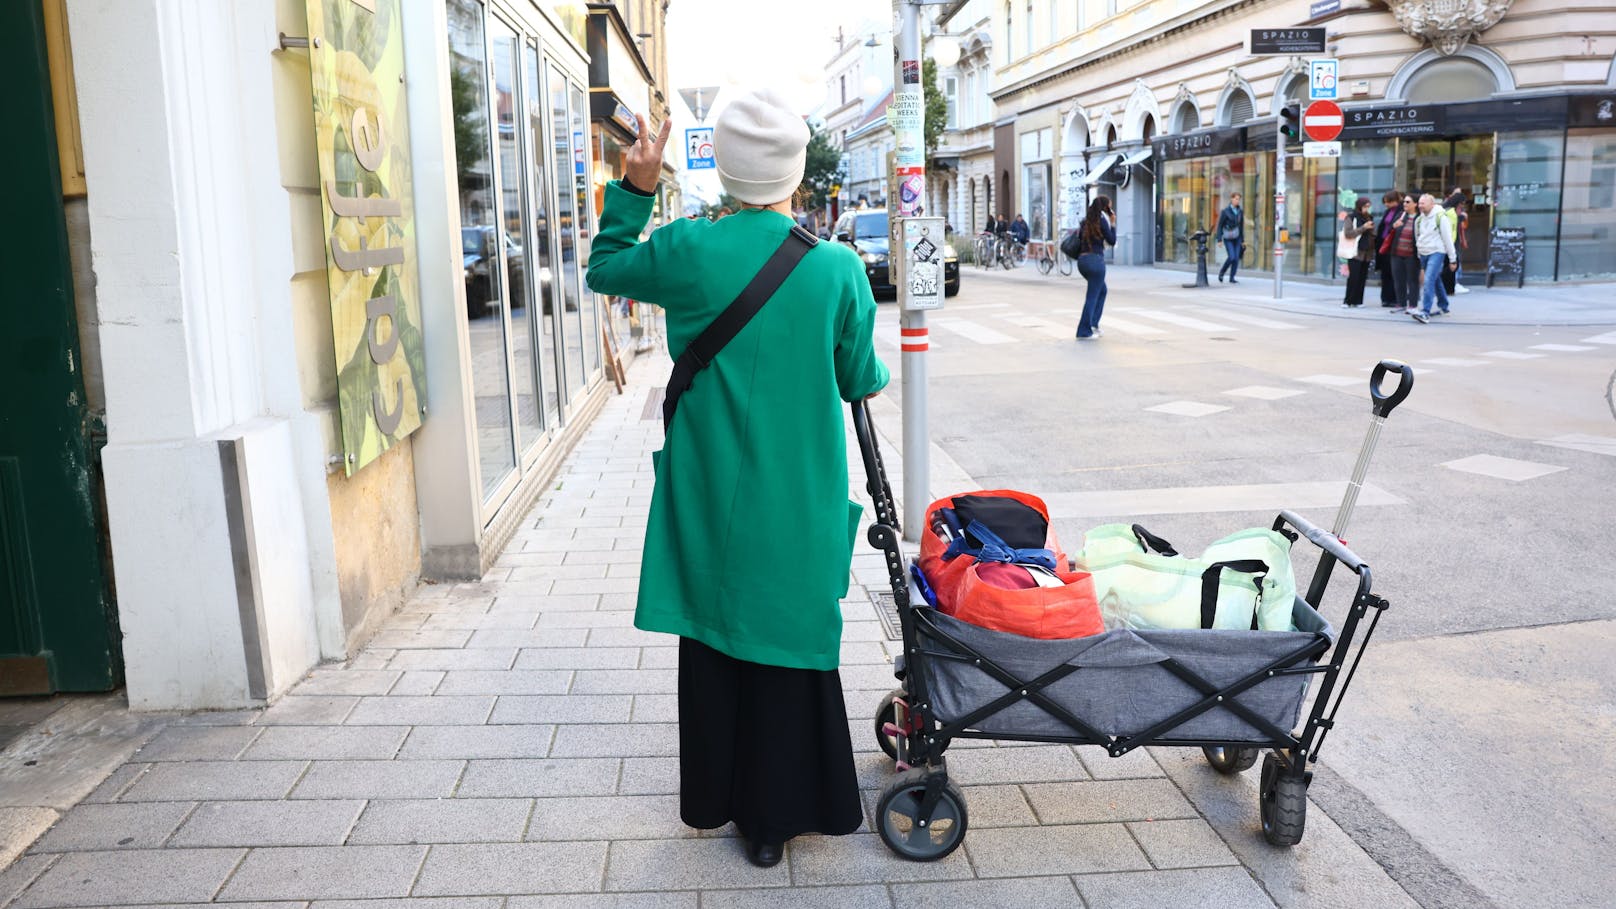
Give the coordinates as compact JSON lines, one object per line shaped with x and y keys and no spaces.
{"x":886,"y":606}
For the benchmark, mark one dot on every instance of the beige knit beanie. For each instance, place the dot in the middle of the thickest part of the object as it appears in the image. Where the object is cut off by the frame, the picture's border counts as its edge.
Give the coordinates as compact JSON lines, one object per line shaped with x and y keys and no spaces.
{"x":760,"y":147}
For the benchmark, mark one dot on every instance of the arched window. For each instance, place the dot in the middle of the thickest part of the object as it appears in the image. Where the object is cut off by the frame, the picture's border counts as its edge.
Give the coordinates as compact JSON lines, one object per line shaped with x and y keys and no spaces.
{"x":1450,"y":79}
{"x":1186,"y":118}
{"x":1110,"y":136}
{"x":1149,"y":131}
{"x":1239,"y":109}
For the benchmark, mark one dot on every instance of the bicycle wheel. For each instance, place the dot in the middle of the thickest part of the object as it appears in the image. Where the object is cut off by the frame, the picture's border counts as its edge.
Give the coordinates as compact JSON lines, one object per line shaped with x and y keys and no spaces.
{"x":1021,"y":254}
{"x":1065,"y":264}
{"x":1006,"y":255}
{"x":1046,"y":262}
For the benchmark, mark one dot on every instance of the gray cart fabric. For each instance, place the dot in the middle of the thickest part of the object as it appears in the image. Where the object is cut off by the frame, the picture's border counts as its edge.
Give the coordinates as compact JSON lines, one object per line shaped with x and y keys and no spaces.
{"x":1122,"y":688}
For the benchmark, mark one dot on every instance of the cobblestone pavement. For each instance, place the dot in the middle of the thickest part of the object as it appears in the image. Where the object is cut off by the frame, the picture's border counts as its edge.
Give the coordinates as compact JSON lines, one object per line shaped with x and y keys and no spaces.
{"x":512,"y":743}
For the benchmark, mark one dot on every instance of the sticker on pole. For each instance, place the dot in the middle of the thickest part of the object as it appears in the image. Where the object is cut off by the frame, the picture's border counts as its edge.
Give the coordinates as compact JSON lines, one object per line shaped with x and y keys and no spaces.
{"x":922,"y":277}
{"x":1322,"y":121}
{"x":699,"y":148}
{"x":1322,"y":150}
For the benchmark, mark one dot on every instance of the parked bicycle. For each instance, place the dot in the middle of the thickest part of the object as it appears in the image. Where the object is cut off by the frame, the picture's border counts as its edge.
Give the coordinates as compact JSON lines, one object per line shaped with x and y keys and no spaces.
{"x":1050,"y":258}
{"x":1009,"y":253}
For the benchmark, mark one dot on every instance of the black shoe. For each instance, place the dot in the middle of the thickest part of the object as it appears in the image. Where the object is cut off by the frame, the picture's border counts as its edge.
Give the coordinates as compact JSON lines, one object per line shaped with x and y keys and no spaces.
{"x":764,"y":854}
{"x":1233,"y":281}
{"x":1220,"y":277}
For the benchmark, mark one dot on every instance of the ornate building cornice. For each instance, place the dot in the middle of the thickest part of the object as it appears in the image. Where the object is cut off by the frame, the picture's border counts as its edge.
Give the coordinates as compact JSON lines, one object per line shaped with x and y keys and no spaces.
{"x":1447,"y":24}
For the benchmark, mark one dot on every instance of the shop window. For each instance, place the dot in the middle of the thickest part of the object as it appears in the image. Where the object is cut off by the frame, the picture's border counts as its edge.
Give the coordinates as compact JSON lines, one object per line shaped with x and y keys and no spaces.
{"x":951,"y":95}
{"x":1528,"y":194}
{"x":1588,"y":224}
{"x":1450,"y":80}
{"x":480,"y":242}
{"x":569,"y":154}
{"x":543,"y":276}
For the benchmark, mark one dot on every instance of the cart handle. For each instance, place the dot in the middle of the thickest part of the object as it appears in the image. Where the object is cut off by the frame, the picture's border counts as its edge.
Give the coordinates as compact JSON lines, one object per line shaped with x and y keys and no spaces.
{"x":1384,"y":403}
{"x":1325,"y":540}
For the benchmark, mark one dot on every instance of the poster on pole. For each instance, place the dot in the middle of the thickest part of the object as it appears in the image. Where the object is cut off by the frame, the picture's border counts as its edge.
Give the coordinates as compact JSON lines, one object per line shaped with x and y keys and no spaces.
{"x":922,"y":255}
{"x":361,"y":131}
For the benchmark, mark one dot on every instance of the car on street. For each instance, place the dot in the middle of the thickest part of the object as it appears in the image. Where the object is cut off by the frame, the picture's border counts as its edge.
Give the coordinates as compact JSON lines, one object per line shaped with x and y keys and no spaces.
{"x":865,"y":230}
{"x":477,"y":251}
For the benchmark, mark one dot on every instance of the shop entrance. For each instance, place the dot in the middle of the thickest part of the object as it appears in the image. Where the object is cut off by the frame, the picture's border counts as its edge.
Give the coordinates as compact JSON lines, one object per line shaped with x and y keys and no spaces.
{"x":1436,"y":166}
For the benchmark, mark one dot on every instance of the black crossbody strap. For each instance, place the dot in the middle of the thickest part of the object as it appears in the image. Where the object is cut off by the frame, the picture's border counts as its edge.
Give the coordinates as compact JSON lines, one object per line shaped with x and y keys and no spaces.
{"x":734,"y":318}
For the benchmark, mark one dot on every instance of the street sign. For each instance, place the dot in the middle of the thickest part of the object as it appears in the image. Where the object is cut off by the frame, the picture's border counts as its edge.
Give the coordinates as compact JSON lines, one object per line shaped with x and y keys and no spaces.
{"x":921,"y":272}
{"x":1322,"y":79}
{"x":1322,"y":121}
{"x":699,"y":100}
{"x":699,"y":148}
{"x":1287,"y":41}
{"x":1323,"y":8}
{"x":1321,"y":149}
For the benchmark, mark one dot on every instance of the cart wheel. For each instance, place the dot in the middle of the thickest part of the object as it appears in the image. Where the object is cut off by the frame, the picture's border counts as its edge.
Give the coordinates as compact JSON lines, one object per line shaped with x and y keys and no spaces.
{"x":886,"y":713}
{"x":1283,"y":804}
{"x":1230,"y":761}
{"x":902,"y":831}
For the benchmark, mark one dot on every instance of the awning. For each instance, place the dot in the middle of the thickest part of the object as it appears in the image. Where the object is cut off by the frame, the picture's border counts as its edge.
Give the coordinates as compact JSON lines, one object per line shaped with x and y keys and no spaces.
{"x":1141,"y":155}
{"x":1100,"y":170}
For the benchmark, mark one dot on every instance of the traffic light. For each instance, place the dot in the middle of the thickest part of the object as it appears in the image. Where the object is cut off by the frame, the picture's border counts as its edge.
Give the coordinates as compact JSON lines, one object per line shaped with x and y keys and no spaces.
{"x":1290,"y":122}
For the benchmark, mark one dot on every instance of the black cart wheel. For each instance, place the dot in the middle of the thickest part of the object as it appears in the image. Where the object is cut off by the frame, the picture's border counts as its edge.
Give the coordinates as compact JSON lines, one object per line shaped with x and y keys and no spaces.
{"x":1230,"y":761}
{"x":887,"y":712}
{"x":897,"y":817}
{"x":1283,"y":804}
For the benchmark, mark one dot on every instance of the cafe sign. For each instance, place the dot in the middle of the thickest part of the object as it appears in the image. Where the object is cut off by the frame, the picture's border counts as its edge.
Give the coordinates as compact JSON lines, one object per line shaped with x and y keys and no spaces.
{"x":356,"y":60}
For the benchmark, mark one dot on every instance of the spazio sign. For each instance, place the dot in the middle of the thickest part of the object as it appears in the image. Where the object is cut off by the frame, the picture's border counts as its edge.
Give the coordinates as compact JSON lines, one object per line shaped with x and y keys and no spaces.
{"x":1392,"y":122}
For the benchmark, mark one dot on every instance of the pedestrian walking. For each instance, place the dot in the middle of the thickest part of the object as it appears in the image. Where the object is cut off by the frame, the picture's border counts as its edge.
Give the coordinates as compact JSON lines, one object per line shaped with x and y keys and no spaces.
{"x":1400,"y":249}
{"x":1231,"y":232}
{"x":1434,"y":243}
{"x":1383,"y":260}
{"x":1457,"y":212}
{"x":750,"y":535}
{"x":1093,"y":236}
{"x":1360,"y":228}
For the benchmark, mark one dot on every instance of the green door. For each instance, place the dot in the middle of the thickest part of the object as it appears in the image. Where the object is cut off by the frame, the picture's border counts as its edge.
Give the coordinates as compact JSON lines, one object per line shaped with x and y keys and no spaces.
{"x":58,"y":629}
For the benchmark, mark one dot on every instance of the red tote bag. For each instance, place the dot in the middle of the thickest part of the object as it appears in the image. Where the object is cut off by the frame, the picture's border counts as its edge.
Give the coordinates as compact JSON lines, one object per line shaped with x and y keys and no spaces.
{"x":1068,"y":611}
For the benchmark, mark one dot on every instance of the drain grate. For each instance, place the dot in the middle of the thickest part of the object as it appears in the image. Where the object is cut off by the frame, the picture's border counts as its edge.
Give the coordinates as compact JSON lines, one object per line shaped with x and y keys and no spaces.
{"x":886,"y":606}
{"x":653,"y":404}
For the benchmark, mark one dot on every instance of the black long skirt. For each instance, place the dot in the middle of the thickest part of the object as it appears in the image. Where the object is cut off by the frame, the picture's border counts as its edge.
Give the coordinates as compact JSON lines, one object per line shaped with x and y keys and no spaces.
{"x":763,"y":746}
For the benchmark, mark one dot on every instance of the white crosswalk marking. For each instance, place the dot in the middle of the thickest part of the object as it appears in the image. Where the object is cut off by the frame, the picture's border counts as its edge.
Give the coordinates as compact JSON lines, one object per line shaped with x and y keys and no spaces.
{"x":1608,"y":337}
{"x":1112,"y":323}
{"x":1337,"y":381}
{"x":1511,"y":469}
{"x":1511,"y":355}
{"x":1455,"y":361}
{"x":1043,"y":326}
{"x":1187,"y":408}
{"x":1265,"y":392}
{"x":1244,"y":319}
{"x":981,"y":334}
{"x":1605,"y":445}
{"x":1173,"y":318}
{"x":1565,"y":348}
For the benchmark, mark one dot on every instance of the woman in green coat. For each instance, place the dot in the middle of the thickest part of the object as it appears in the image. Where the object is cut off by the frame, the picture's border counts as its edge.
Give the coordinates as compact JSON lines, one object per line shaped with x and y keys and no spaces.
{"x":750,"y":535}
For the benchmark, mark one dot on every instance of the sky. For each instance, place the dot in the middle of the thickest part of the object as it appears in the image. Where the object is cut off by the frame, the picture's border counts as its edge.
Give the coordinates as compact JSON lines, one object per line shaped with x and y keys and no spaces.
{"x":739,"y":45}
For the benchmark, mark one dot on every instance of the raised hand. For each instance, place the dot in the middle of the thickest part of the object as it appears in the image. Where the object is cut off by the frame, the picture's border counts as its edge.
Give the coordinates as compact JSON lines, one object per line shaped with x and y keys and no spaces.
{"x":642,"y":166}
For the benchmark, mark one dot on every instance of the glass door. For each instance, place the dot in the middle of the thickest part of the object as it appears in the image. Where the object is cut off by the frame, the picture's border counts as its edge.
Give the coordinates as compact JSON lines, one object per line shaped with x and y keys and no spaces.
{"x":588,"y":311}
{"x":568,"y":154}
{"x":1473,"y":173}
{"x":544,"y":319}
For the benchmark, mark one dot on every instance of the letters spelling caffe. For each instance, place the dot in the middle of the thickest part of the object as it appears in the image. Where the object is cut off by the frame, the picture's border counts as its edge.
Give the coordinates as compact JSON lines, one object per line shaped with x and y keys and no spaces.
{"x":1544,"y":165}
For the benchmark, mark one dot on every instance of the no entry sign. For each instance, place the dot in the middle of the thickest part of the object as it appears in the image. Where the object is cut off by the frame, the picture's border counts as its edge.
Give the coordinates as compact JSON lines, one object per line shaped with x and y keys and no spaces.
{"x":1322,"y":121}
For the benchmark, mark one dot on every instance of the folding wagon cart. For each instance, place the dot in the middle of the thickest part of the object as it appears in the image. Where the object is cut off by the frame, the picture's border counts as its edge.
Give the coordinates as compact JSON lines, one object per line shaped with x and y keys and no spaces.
{"x":1232,"y":693}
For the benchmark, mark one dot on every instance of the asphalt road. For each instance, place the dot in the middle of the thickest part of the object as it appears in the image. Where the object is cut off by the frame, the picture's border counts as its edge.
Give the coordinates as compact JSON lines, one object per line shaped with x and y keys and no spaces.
{"x":1475,"y":753}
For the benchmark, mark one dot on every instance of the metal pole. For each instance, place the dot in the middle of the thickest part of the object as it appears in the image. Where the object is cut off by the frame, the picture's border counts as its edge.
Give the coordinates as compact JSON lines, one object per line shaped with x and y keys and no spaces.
{"x":909,"y":193}
{"x":1279,"y":209}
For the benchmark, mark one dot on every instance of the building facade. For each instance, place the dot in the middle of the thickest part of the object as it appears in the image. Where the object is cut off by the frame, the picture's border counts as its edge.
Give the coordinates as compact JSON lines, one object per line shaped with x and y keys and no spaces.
{"x":318,"y":313}
{"x":858,"y":88}
{"x":1160,"y":105}
{"x":960,"y":178}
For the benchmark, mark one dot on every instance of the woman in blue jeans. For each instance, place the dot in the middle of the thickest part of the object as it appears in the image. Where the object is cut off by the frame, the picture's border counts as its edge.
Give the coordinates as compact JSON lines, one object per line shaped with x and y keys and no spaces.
{"x":1092,"y":238}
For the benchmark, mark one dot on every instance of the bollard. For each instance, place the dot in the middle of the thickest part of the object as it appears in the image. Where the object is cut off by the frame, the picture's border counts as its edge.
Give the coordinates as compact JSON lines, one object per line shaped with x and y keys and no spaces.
{"x":1199,"y":239}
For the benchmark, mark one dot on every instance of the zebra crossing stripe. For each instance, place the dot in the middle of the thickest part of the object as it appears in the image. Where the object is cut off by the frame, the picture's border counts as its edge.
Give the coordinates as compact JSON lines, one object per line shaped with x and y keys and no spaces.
{"x":1112,"y":323}
{"x":981,"y":334}
{"x":1564,"y":348}
{"x":1258,"y":321}
{"x":1172,"y":318}
{"x":1608,"y":337}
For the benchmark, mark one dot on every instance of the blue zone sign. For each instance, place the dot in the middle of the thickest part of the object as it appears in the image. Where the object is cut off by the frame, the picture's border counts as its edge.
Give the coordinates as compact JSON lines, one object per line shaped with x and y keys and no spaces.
{"x":699,"y":148}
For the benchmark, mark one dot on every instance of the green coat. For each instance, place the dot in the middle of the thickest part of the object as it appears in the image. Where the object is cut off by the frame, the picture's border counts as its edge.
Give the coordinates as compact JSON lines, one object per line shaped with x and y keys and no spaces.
{"x":750,"y":536}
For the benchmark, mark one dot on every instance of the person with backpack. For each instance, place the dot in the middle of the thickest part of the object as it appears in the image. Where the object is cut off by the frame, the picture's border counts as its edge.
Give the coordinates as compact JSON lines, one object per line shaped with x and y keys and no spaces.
{"x":1231,"y":231}
{"x":1383,"y":264}
{"x":1456,"y":211}
{"x":1434,"y":243}
{"x":1092,"y":238}
{"x":756,"y":451}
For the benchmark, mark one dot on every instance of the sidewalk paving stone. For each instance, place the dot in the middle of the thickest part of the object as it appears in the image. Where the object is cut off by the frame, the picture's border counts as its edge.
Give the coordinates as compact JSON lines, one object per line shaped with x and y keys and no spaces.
{"x":619,"y":817}
{"x":425,"y":821}
{"x":989,"y":806}
{"x":688,"y":864}
{"x":87,"y":828}
{"x":1181,"y":844}
{"x":560,"y":708}
{"x":505,"y":682}
{"x":528,"y":778}
{"x":296,"y":710}
{"x":434,"y":710}
{"x":1208,"y":888}
{"x":1104,"y":801}
{"x":531,"y":605}
{"x":142,"y":876}
{"x":1008,"y":892}
{"x":513,"y":741}
{"x":626,"y":681}
{"x":325,"y":743}
{"x":326,"y":872}
{"x":418,"y":682}
{"x":1034,"y":851}
{"x":512,"y":868}
{"x":475,"y":658}
{"x":655,"y":708}
{"x":532,"y":637}
{"x":1032,"y":764}
{"x":279,"y":823}
{"x":615,"y":618}
{"x":428,"y":902}
{"x":579,"y":658}
{"x":198,"y":743}
{"x":649,"y":776}
{"x":379,"y":779}
{"x":215,"y":780}
{"x":641,"y":739}
{"x":347,"y":681}
{"x":861,"y":858}
{"x":686,"y":899}
{"x":864,"y":897}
